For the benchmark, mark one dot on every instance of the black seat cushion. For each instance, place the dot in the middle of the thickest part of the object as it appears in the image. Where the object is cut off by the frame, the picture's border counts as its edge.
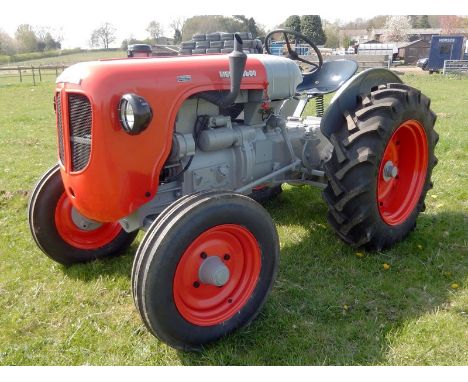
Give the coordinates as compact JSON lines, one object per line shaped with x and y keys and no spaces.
{"x":328,"y":78}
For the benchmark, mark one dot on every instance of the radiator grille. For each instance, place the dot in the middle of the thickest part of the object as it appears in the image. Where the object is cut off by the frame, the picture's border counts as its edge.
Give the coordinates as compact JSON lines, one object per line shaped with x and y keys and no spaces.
{"x":80,"y":130}
{"x":58,"y":110}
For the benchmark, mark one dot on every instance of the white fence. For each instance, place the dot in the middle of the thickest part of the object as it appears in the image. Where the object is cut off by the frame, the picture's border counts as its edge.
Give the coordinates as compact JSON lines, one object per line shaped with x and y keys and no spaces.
{"x":455,"y":66}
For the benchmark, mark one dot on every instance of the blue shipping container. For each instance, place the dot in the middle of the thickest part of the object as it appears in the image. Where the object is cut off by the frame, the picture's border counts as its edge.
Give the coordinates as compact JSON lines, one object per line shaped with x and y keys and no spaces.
{"x":444,"y":48}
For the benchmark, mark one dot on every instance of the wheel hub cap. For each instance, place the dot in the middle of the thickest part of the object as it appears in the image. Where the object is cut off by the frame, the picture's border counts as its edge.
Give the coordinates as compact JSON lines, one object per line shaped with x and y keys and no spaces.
{"x":212,"y":271}
{"x":83,"y":223}
{"x":390,"y":171}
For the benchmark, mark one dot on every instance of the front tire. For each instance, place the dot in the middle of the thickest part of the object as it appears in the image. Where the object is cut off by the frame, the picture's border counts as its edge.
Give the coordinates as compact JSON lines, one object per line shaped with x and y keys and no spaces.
{"x":381,"y":166}
{"x":55,"y":226}
{"x":180,"y":300}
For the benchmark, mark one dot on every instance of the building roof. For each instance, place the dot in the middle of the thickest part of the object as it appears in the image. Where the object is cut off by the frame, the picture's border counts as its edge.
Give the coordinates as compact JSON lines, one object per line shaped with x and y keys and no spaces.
{"x":354,"y":32}
{"x":409,"y":43}
{"x":414,"y":31}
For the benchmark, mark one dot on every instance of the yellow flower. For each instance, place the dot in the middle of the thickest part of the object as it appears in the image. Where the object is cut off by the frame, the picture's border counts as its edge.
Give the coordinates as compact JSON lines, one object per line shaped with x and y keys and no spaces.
{"x":345,"y":307}
{"x":455,"y":286}
{"x":359,"y":254}
{"x":386,"y":266}
{"x":420,"y":246}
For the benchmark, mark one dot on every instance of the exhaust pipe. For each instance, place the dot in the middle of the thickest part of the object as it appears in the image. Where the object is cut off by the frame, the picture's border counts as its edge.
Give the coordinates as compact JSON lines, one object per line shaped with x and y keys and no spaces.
{"x":237,"y":60}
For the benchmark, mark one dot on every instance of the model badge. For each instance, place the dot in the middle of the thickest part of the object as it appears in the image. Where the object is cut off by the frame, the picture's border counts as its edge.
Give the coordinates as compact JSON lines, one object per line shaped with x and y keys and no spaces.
{"x":184,"y":78}
{"x":247,"y":73}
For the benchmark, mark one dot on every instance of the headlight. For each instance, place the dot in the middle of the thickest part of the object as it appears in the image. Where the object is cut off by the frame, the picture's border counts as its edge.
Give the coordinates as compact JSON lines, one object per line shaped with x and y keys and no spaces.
{"x":134,"y":113}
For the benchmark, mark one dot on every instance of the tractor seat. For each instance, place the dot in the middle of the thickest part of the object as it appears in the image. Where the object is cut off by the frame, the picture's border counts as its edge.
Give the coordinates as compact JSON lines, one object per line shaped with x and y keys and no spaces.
{"x":329,"y":78}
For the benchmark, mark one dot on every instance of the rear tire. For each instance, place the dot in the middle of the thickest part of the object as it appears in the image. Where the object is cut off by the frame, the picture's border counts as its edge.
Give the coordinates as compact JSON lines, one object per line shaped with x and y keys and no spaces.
{"x":54,"y":229}
{"x":175,"y":304}
{"x":370,"y":203}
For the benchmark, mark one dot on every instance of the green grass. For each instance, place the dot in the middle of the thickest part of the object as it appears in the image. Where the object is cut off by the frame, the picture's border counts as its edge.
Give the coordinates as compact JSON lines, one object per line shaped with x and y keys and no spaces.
{"x":11,"y":77}
{"x":328,"y":305}
{"x":66,"y":59}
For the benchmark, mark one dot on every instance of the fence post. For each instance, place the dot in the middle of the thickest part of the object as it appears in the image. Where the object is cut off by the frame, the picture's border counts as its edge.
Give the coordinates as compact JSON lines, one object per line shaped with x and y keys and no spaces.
{"x":40,"y":76}
{"x":445,"y":64}
{"x":34,"y":77}
{"x":56,"y":70}
{"x":20,"y":75}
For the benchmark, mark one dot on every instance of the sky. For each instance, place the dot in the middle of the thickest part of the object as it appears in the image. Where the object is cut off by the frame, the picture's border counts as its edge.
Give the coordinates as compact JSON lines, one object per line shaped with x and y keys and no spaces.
{"x":76,"y":20}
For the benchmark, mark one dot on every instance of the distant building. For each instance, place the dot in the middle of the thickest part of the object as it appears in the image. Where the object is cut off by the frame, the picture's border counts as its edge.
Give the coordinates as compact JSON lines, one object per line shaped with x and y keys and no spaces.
{"x":411,"y":52}
{"x":362,"y":36}
{"x":417,"y":33}
{"x":358,"y":35}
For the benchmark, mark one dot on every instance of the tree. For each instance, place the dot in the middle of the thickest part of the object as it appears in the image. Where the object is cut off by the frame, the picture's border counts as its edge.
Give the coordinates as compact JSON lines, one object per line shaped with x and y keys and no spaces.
{"x":419,"y":21}
{"x":177,"y":25}
{"x":247,"y":25}
{"x":45,"y":41}
{"x":449,"y":24}
{"x":346,"y":41}
{"x":26,"y":38}
{"x":424,"y":22}
{"x":413,"y":19}
{"x":396,"y":29}
{"x":103,"y":36}
{"x":7,"y":44}
{"x":293,"y":22}
{"x":215,"y":23}
{"x":252,"y":27}
{"x":177,"y":36}
{"x":332,"y":32}
{"x":311,"y":27}
{"x":376,"y":22}
{"x":210,"y":24}
{"x":155,"y":30}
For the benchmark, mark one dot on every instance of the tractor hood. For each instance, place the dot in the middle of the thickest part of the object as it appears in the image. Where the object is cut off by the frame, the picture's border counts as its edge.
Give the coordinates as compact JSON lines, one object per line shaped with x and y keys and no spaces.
{"x":108,"y":173}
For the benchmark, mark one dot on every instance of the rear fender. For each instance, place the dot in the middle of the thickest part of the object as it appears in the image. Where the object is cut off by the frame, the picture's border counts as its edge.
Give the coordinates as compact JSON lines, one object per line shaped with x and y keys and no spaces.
{"x":346,"y":98}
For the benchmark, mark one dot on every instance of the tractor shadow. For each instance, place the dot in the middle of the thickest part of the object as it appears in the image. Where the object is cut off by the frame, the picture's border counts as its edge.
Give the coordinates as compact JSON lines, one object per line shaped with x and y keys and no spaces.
{"x":330,"y":306}
{"x":119,"y":266}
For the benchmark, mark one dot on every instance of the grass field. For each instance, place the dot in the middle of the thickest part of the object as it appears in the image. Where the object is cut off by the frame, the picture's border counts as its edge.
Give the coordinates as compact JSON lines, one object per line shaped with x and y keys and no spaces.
{"x":11,"y":77}
{"x":72,"y":58}
{"x":330,"y":305}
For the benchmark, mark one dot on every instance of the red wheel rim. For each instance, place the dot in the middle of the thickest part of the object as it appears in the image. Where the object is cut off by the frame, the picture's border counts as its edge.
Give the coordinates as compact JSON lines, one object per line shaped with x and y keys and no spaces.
{"x":204,"y":304}
{"x":79,"y":238}
{"x":398,"y":193}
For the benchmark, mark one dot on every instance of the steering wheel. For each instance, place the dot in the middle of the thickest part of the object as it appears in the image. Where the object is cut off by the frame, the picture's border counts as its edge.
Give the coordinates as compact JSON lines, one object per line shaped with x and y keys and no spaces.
{"x":292,"y":54}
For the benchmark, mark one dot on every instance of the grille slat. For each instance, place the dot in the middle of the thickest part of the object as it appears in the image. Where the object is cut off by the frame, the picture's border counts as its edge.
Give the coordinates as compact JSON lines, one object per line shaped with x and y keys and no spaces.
{"x":80,"y":130}
{"x":58,"y":109}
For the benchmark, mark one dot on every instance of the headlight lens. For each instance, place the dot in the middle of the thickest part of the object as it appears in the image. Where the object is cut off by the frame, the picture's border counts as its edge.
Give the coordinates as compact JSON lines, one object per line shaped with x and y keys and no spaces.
{"x":135,"y":114}
{"x":127,"y":114}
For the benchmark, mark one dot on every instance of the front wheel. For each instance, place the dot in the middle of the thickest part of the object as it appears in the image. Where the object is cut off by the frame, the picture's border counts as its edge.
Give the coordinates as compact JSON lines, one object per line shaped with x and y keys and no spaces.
{"x":381,"y":166}
{"x":205,"y":268}
{"x":62,"y":233}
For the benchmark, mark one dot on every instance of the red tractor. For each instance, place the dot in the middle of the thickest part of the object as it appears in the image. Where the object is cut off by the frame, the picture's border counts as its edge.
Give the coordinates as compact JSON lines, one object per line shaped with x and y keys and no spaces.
{"x":183,"y":147}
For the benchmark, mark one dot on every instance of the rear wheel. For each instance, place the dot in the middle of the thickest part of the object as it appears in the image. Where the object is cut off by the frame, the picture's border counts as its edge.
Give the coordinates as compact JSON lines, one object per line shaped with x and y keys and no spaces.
{"x":381,"y":166}
{"x":205,"y":268}
{"x":62,"y":233}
